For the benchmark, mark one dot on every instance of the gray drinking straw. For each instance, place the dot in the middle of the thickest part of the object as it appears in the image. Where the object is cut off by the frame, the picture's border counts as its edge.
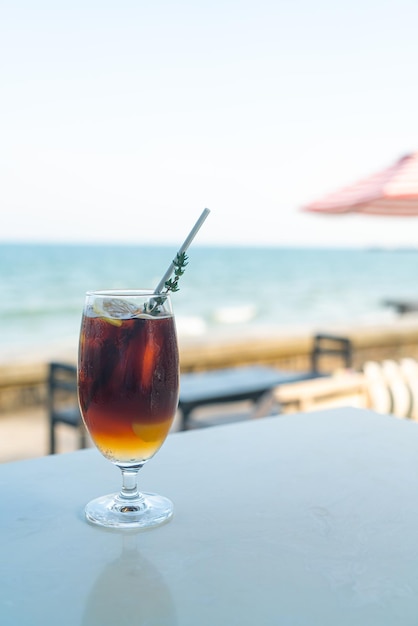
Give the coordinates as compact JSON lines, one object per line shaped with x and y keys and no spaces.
{"x":183,"y":248}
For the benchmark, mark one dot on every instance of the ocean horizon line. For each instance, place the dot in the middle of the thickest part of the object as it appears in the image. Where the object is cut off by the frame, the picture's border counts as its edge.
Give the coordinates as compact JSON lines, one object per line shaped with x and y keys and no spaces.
{"x":210,"y":246}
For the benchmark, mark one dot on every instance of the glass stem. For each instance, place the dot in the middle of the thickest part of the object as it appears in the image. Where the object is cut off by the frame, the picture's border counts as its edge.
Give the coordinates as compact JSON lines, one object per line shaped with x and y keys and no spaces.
{"x":129,"y":489}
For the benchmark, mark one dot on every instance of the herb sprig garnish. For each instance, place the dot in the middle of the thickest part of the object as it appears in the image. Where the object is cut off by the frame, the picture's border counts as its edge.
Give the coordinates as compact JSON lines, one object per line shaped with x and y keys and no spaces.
{"x":180,"y":263}
{"x":172,"y":284}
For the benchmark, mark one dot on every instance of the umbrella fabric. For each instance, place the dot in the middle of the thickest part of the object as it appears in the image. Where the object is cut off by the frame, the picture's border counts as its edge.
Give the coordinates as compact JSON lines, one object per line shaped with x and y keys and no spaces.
{"x":392,"y":191}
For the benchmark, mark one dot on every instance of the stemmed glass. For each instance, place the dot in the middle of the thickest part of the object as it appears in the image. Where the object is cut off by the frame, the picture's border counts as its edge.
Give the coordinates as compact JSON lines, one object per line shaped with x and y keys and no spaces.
{"x":128,"y":382}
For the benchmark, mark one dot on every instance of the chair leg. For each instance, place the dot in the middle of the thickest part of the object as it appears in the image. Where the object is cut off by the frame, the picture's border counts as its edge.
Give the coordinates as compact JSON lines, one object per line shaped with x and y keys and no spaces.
{"x":83,"y":437}
{"x":52,"y":438}
{"x":264,"y":405}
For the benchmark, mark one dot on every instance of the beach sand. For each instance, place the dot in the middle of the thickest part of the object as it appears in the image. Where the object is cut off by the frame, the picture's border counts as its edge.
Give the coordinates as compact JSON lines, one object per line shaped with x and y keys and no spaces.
{"x":24,"y":435}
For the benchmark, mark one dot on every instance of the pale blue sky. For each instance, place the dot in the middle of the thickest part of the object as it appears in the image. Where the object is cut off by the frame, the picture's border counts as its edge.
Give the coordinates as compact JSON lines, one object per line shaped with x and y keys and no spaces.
{"x":122,"y":121}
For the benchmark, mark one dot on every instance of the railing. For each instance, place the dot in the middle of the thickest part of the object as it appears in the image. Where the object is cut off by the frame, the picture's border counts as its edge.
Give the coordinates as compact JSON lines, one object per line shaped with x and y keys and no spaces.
{"x":294,"y":351}
{"x":22,"y":384}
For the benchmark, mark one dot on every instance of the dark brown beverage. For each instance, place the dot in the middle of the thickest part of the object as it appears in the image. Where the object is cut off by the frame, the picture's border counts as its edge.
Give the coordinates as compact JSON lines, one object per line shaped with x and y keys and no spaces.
{"x":128,"y":384}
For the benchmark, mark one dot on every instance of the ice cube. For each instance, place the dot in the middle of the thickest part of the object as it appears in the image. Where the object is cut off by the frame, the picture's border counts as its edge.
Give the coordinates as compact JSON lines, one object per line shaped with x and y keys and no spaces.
{"x":115,"y":308}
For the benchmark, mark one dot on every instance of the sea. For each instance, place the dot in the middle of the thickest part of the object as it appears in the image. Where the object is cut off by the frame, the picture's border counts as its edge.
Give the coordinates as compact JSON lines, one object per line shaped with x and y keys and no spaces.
{"x":225,"y":291}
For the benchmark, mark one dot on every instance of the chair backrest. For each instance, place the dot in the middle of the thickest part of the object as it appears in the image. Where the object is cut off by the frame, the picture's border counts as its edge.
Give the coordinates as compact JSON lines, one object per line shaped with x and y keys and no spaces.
{"x":62,"y":381}
{"x":380,"y":397}
{"x":398,"y":387}
{"x":63,"y":402}
{"x":338,"y":348}
{"x":409,"y":369}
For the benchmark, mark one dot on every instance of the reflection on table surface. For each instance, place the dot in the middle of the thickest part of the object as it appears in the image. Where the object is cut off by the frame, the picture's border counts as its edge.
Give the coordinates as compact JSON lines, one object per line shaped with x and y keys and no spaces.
{"x":129,"y":590}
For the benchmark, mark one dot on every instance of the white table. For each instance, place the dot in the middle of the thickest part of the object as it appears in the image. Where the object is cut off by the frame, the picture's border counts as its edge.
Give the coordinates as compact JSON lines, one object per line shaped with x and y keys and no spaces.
{"x":301,"y":520}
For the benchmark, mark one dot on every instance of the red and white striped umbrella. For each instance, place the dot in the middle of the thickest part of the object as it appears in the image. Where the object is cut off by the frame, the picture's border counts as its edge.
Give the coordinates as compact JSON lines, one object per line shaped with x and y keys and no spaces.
{"x":393,"y":191}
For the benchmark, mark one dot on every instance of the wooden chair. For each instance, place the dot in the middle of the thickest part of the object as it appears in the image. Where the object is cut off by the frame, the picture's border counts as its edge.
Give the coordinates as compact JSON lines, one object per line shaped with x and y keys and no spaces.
{"x":380,"y":397}
{"x":409,"y":369}
{"x":63,"y":403}
{"x":343,"y":389}
{"x":398,"y":387}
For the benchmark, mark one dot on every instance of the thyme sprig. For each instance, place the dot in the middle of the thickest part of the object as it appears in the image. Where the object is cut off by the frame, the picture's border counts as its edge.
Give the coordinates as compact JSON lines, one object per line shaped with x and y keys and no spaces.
{"x":180,"y":263}
{"x":172,"y":284}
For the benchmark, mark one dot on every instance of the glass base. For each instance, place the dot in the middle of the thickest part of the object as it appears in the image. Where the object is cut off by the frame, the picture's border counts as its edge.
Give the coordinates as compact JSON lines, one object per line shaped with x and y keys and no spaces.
{"x":112,"y":511}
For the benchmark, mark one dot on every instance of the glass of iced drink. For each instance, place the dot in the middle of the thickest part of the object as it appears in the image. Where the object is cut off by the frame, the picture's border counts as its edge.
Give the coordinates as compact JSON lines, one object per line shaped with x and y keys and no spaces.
{"x":128,"y":382}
